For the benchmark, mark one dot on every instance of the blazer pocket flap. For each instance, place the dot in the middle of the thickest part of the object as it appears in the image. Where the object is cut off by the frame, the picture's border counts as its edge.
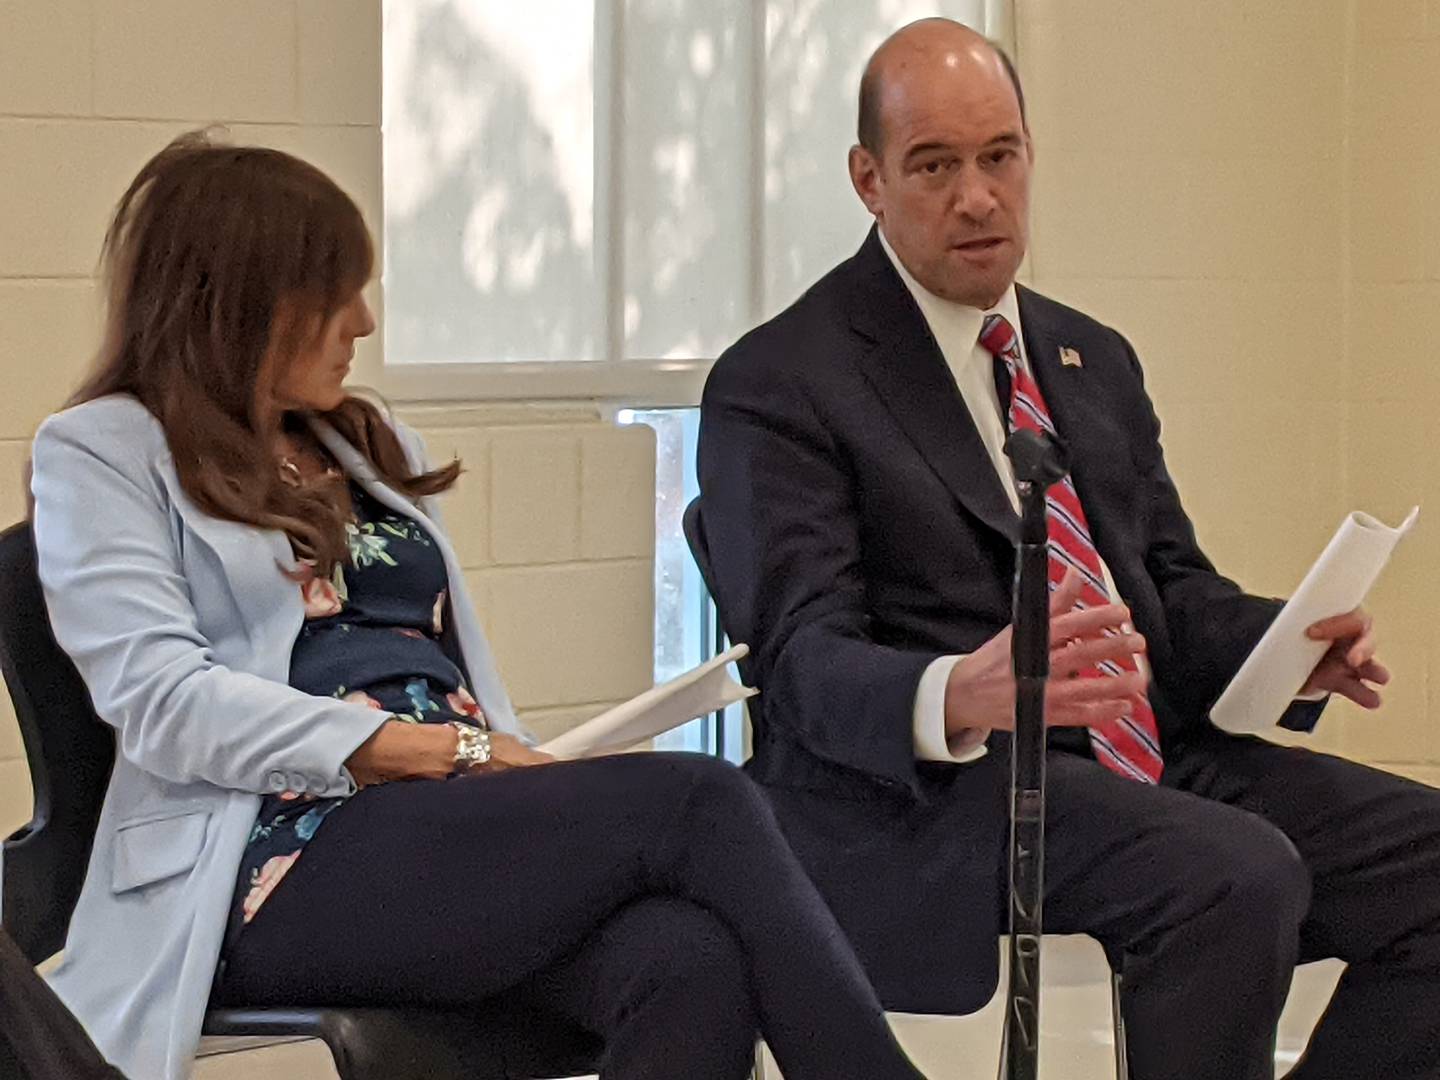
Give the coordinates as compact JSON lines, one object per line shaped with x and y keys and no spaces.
{"x":150,"y":851}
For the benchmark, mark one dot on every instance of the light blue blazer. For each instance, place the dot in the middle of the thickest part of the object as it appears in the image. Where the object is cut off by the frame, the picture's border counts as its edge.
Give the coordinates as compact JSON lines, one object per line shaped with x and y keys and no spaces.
{"x":182,"y":625}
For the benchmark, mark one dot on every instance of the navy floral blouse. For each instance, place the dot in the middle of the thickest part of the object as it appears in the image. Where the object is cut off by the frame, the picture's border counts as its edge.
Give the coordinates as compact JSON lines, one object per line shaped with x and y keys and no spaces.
{"x":372,"y":634}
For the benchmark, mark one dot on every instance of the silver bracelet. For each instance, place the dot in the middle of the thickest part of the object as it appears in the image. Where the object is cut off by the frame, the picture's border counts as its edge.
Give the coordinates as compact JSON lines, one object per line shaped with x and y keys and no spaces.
{"x":472,"y":746}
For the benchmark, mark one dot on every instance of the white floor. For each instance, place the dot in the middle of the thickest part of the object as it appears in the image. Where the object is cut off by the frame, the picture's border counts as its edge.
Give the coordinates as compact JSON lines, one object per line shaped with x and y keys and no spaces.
{"x":1075,"y":1026}
{"x":1075,"y":1029}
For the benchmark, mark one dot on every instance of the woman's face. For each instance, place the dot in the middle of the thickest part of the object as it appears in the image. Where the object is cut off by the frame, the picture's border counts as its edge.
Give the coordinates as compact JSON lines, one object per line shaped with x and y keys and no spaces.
{"x":313,"y":380}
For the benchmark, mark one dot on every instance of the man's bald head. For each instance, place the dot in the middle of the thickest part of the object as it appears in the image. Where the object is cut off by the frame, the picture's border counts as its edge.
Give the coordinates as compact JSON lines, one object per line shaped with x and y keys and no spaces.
{"x":907,"y":45}
{"x":944,"y":160}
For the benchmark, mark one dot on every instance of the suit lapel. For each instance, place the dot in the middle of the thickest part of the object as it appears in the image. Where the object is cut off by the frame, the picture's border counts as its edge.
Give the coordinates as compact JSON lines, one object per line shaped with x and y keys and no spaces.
{"x":248,"y":560}
{"x":907,"y":370}
{"x":359,"y":469}
{"x":1070,"y":396}
{"x":1042,"y":349}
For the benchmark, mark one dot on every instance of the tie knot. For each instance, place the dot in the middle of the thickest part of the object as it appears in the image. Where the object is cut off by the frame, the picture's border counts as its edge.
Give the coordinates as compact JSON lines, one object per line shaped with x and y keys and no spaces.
{"x":998,"y":336}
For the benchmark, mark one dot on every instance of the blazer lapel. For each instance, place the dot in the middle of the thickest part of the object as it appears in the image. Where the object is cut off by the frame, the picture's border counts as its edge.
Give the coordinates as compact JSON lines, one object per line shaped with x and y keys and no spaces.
{"x":1070,"y":397}
{"x":1042,"y":349}
{"x":359,"y":469}
{"x":907,"y":370}
{"x":251,"y":561}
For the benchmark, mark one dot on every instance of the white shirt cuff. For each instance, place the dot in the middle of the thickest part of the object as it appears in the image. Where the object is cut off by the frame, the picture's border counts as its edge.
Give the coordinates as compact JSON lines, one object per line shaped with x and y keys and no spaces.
{"x":931,"y":742}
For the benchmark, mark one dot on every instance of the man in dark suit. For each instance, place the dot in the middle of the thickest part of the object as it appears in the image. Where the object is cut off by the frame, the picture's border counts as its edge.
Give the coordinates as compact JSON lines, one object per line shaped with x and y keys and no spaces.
{"x":861,"y":524}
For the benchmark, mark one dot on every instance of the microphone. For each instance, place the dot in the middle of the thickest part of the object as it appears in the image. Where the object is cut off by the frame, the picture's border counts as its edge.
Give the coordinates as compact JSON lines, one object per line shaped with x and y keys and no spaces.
{"x":1038,"y":457}
{"x":1040,"y":460}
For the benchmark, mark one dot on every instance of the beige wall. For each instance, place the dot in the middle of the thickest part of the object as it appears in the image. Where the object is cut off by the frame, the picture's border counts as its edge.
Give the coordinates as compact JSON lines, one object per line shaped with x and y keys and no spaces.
{"x":1248,"y":191}
{"x":1392,"y":199}
{"x":552,"y":518}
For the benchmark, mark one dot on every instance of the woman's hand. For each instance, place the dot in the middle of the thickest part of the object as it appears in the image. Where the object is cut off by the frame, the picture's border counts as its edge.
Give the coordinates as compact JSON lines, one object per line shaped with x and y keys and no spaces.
{"x":508,"y":752}
{"x":404,"y":751}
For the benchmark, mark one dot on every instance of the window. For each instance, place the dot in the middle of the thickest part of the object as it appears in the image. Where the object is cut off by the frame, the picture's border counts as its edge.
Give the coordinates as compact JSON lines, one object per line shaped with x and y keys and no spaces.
{"x":489,"y":137}
{"x":684,"y":620}
{"x":591,"y":198}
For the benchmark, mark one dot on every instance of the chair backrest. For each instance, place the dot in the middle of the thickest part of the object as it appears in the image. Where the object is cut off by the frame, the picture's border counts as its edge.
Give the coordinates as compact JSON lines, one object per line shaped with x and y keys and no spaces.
{"x":70,"y":754}
{"x":694,"y":527}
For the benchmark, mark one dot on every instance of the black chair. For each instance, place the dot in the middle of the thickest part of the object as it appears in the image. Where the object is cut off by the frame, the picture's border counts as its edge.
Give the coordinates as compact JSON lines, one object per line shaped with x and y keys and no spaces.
{"x":70,"y":753}
{"x":694,"y":530}
{"x":1074,"y":966}
{"x":36,"y":1028}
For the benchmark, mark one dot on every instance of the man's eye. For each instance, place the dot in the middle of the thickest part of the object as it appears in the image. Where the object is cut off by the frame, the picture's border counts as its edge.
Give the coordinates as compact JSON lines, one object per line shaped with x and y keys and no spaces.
{"x":930,"y":168}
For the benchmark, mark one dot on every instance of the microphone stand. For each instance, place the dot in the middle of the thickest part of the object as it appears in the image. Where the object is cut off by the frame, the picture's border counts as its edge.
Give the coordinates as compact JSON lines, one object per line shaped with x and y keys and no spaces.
{"x":1039,"y":461}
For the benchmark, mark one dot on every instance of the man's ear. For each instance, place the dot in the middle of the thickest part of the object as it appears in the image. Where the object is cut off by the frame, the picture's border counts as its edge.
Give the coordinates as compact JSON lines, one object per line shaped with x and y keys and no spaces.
{"x":865,"y":178}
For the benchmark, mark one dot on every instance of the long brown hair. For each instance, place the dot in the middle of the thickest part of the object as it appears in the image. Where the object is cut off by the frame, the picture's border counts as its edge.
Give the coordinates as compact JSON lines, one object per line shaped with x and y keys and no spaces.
{"x":221,"y":262}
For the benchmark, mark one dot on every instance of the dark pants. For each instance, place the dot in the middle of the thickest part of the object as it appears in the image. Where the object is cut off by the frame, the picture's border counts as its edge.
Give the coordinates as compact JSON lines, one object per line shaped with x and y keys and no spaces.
{"x":1206,"y":891}
{"x":649,"y":897}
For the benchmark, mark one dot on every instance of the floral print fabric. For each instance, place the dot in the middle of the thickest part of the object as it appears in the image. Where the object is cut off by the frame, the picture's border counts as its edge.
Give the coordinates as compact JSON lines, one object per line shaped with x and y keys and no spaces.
{"x":373,"y":634}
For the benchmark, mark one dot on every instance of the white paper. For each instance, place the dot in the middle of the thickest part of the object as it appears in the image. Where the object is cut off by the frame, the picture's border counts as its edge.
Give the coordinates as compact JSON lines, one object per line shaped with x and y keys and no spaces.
{"x":699,"y":691}
{"x":1283,"y":659}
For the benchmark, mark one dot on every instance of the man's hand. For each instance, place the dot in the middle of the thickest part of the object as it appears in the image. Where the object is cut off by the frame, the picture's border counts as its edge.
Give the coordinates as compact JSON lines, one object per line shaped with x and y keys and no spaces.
{"x":981,"y":690}
{"x":1349,"y":665}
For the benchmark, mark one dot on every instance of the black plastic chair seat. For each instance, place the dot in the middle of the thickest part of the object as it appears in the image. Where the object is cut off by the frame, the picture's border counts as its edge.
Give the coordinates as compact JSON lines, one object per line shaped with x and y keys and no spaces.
{"x":496,"y":1041}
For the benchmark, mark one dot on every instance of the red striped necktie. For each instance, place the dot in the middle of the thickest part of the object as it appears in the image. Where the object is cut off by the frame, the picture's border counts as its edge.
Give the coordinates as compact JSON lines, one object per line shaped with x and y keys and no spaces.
{"x":1131,"y":745}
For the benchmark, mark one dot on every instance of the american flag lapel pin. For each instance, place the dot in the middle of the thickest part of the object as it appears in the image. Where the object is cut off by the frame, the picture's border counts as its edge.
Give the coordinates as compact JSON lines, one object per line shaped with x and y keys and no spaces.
{"x":1070,"y":358}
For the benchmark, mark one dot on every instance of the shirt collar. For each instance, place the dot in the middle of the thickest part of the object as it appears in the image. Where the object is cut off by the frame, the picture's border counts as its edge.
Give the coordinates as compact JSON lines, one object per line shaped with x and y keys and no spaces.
{"x":954,"y":325}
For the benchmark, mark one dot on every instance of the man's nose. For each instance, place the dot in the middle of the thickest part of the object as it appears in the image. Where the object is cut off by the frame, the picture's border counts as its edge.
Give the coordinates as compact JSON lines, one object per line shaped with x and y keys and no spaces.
{"x":974,"y":197}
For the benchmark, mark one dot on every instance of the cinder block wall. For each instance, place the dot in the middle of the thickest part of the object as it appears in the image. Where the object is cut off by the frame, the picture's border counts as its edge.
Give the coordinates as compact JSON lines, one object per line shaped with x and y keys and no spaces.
{"x":1247,"y":191}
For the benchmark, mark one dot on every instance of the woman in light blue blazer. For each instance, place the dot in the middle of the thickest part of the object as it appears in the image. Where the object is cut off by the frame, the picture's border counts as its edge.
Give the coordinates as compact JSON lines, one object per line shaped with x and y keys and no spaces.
{"x":321,"y":793}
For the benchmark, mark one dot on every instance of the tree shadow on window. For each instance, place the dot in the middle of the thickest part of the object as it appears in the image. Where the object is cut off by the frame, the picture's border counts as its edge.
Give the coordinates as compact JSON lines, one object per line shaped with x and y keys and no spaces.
{"x":485,"y":256}
{"x":483,"y":260}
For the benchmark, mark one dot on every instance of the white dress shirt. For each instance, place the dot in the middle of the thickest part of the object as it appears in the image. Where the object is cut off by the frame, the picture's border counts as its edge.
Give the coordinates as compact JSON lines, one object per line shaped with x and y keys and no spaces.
{"x":956,"y":329}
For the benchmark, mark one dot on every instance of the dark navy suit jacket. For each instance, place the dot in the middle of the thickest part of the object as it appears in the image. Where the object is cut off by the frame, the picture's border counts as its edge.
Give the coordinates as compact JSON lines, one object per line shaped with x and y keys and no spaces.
{"x":857,"y":530}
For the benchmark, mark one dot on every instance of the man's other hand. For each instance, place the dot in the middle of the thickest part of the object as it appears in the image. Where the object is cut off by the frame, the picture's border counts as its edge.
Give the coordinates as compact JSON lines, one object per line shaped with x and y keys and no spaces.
{"x":1348,"y":667}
